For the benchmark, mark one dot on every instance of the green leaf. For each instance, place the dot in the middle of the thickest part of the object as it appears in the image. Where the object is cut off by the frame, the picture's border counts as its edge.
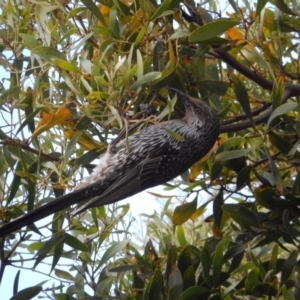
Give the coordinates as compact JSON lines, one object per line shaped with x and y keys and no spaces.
{"x":181,"y":236}
{"x":64,"y":275}
{"x":215,"y":86}
{"x":184,"y":259}
{"x":28,"y":120}
{"x":242,"y":215}
{"x":16,"y":282}
{"x":126,"y":268}
{"x":113,"y":250}
{"x":146,"y":79}
{"x":252,"y":280}
{"x":287,"y":225}
{"x":189,"y":278}
{"x":232,"y":154}
{"x":243,"y":177}
{"x":48,"y":246}
{"x":140,"y":36}
{"x":233,"y":251}
{"x":48,"y":53}
{"x":273,"y":260}
{"x":283,"y":7}
{"x":88,"y":157}
{"x":74,"y":243}
{"x":218,"y":212}
{"x":277,"y":92}
{"x":72,"y":145}
{"x":116,"y":115}
{"x":184,"y":211}
{"x":260,"y":6}
{"x":211,"y":30}
{"x":94,"y":10}
{"x":281,"y":110}
{"x":27,"y":293}
{"x":278,"y":180}
{"x":161,"y":9}
{"x":15,"y":183}
{"x":58,"y":250}
{"x":236,"y":261}
{"x":180,"y":33}
{"x":31,"y":193}
{"x":242,"y":95}
{"x":30,"y":41}
{"x":154,"y":287}
{"x":217,"y":264}
{"x":234,"y":142}
{"x":288,"y":267}
{"x":65,"y":65}
{"x":206,"y":264}
{"x":74,"y":12}
{"x":195,"y":293}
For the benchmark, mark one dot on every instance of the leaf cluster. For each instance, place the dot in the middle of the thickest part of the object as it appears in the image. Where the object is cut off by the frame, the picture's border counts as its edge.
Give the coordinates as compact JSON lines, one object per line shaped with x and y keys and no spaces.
{"x":78,"y":73}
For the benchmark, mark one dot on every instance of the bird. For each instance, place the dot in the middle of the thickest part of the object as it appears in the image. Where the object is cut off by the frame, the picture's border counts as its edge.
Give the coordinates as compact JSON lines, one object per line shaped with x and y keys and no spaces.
{"x":147,"y":158}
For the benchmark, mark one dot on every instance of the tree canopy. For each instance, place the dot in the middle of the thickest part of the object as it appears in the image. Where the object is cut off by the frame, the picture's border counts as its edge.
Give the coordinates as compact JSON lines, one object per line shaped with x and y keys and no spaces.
{"x":77,"y":73}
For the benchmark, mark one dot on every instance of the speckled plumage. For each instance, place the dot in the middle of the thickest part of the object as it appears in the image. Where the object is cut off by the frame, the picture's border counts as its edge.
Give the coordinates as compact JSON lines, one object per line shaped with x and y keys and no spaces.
{"x":153,"y":155}
{"x":150,"y":157}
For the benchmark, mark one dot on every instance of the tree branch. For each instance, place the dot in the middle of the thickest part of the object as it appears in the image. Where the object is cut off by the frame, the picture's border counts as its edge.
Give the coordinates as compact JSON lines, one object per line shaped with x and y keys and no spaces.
{"x":291,"y":90}
{"x":254,"y":76}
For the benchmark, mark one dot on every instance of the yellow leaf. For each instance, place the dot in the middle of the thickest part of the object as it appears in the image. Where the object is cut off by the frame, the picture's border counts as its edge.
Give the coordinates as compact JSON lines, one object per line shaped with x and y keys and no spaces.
{"x":104,"y":10}
{"x":238,"y":36}
{"x":184,"y":211}
{"x":85,"y":140}
{"x":48,"y":120}
{"x":235,"y":34}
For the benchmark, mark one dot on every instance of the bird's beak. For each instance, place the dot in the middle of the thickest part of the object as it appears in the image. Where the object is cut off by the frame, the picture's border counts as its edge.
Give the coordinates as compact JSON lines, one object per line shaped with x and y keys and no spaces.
{"x":183,"y":97}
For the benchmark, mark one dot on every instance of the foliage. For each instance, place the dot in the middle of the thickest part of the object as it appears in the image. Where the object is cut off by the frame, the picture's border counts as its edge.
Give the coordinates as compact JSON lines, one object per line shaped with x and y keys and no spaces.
{"x":78,"y":72}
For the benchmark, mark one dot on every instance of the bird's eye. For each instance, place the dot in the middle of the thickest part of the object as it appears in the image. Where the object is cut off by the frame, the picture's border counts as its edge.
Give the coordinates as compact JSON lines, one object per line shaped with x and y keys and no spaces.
{"x":197,"y":110}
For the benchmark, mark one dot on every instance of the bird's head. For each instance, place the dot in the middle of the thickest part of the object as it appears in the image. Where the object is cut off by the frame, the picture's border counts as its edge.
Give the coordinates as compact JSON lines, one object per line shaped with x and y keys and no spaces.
{"x":196,"y":110}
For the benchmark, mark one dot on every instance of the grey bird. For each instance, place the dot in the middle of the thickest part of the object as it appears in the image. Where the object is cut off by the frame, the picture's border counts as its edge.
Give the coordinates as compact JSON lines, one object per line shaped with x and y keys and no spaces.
{"x":150,"y":157}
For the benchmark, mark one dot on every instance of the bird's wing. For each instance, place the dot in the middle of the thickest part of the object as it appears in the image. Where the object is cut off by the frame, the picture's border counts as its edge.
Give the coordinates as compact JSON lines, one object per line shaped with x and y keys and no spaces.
{"x":134,"y":181}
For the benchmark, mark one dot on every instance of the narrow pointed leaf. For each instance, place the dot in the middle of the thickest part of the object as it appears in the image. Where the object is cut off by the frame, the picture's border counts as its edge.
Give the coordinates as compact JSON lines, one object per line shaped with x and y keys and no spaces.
{"x":48,"y":246}
{"x":72,"y":145}
{"x":276,"y":173}
{"x":147,"y":78}
{"x":184,"y":211}
{"x":16,"y":282}
{"x":217,"y":264}
{"x":113,"y":250}
{"x":232,"y":154}
{"x":288,"y":267}
{"x":15,"y":183}
{"x":281,"y":110}
{"x":242,"y":95}
{"x":259,"y":6}
{"x":211,"y":30}
{"x":242,"y":215}
{"x":161,"y":9}
{"x":154,"y":287}
{"x":94,"y":10}
{"x":75,"y":243}
{"x":195,"y":293}
{"x":27,"y":293}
